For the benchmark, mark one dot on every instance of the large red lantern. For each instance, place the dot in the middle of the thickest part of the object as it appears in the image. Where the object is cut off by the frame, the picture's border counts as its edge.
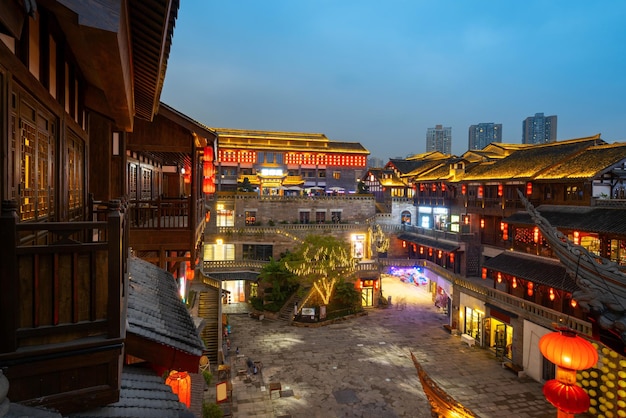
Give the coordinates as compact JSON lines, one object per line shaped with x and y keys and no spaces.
{"x":569,"y":353}
{"x":208,"y":154}
{"x":180,"y":382}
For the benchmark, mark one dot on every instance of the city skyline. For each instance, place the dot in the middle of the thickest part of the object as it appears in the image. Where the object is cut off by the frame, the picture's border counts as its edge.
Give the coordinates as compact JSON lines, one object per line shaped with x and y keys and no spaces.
{"x":382,"y":74}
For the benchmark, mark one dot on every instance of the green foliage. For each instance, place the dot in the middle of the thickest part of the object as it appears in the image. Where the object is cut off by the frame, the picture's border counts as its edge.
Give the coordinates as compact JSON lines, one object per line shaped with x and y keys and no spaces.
{"x":281,"y":281}
{"x":321,"y":261}
{"x":211,"y":410}
{"x":245,"y":185}
{"x":208,"y":377}
{"x":347,"y":295}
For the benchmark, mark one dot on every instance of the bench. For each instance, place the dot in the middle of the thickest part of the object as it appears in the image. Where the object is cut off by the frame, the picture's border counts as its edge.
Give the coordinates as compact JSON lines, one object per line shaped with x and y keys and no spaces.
{"x":518,"y":370}
{"x":468,"y":339}
{"x":256,"y":315}
{"x":275,"y":386}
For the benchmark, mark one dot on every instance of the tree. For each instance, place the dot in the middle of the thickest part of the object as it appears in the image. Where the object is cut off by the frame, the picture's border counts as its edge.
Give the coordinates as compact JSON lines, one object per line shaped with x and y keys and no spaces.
{"x":281,"y":279}
{"x":322,"y":261}
{"x":362,"y":188}
{"x":245,"y":185}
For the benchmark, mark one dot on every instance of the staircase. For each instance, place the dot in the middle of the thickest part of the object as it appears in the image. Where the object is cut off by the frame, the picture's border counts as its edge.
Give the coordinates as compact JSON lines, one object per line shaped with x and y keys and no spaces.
{"x":208,"y":304}
{"x":286,"y":313}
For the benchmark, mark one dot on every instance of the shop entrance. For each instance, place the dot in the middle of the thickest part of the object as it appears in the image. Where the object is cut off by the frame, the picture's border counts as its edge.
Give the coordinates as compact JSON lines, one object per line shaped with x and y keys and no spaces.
{"x":367,"y":296}
{"x":499,"y":337}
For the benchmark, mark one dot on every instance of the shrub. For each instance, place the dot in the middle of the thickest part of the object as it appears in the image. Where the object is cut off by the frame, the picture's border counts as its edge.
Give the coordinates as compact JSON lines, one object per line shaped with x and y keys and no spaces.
{"x":211,"y":410}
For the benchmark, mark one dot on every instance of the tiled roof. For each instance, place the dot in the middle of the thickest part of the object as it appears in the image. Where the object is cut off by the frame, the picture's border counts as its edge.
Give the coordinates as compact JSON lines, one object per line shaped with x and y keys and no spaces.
{"x":530,"y":161}
{"x":582,"y":218}
{"x":428,"y":242}
{"x":589,"y":163}
{"x":155,"y":310}
{"x":539,"y":271}
{"x":405,"y":166}
{"x":143,"y":395}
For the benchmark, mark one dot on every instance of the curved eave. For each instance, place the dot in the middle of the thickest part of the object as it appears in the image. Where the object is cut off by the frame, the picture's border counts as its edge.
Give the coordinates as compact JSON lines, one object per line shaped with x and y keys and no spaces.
{"x":125,"y":77}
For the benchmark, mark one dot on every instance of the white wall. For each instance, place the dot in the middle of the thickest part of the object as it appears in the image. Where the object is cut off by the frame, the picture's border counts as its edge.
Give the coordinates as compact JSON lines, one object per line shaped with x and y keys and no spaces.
{"x":533,"y":359}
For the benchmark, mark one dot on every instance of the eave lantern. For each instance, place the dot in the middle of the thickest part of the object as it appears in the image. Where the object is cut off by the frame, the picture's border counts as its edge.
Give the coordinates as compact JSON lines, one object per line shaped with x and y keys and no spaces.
{"x":569,"y":353}
{"x":180,"y":382}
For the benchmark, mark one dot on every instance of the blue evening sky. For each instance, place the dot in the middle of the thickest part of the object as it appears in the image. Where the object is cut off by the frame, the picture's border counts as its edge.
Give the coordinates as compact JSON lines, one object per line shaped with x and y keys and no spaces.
{"x":382,"y":72}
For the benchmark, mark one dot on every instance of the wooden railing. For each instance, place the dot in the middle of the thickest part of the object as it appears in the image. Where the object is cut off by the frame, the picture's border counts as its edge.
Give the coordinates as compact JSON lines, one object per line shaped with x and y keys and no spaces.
{"x":160,"y":214}
{"x":60,"y":281}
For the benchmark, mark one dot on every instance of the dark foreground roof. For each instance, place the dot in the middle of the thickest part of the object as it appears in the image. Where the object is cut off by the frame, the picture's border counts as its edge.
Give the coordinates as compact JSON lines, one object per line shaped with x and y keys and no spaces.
{"x":539,"y":271}
{"x":143,"y":395}
{"x":429,"y":242}
{"x":581,"y":218}
{"x":156,"y":311}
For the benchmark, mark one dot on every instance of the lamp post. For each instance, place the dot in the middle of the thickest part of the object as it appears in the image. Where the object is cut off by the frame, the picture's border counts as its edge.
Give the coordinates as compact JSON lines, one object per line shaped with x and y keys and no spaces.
{"x":569,"y":353}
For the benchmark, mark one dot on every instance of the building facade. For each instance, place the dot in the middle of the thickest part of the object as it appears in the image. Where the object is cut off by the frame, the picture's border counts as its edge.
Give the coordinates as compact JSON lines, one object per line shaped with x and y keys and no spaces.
{"x":288,"y":163}
{"x":484,"y":134}
{"x":439,"y":139}
{"x":539,"y":129}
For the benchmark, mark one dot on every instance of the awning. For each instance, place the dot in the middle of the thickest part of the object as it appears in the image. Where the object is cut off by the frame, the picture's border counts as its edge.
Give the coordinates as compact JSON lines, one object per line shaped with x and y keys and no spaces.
{"x":545,"y":272}
{"x":447,"y":246}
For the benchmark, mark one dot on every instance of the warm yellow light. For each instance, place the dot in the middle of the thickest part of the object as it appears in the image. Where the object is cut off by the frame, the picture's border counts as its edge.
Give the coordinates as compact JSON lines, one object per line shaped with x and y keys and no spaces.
{"x":219,"y":241}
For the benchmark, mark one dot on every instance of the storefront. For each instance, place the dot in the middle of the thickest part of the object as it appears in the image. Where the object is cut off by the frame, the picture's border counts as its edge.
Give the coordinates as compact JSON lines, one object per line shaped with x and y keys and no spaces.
{"x":498,"y":332}
{"x":369,"y":289}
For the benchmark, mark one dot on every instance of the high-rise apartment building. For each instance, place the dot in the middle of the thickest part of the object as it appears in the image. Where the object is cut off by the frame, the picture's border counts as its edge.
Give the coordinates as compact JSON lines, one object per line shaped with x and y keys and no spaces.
{"x":439,"y":139}
{"x":539,"y":129}
{"x":484,"y":134}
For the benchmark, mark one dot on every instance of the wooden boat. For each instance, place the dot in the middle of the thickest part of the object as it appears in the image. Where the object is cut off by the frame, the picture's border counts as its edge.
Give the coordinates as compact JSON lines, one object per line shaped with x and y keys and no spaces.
{"x":601,"y":281}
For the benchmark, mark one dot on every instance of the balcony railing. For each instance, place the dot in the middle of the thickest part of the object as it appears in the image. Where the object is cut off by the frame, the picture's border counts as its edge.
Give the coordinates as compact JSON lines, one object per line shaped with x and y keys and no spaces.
{"x":159,"y":214}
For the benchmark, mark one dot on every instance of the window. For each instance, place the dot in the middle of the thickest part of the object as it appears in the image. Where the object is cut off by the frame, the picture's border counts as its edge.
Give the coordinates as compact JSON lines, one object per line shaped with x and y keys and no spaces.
{"x":336,"y":175}
{"x":250,"y":217}
{"x":257,"y":252}
{"x":219,"y":252}
{"x":473,"y":321}
{"x":320,"y":217}
{"x":321,"y":173}
{"x":335,"y":216}
{"x":305,"y":217}
{"x":224,"y":216}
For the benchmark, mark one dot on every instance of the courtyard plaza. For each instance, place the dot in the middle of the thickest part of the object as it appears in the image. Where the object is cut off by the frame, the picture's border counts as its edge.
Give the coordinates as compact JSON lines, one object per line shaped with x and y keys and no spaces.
{"x":362,"y":367}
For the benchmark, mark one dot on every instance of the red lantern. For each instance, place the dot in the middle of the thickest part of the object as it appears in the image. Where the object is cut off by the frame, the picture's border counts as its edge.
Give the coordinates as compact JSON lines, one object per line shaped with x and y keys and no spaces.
{"x":576,"y":237}
{"x":439,"y":254}
{"x":208,"y":169}
{"x":480,"y":192}
{"x":376,"y":284}
{"x":451,"y":258}
{"x":443,"y":187}
{"x":403,"y":244}
{"x":530,"y":289}
{"x":500,"y":190}
{"x":569,"y":353}
{"x":552,"y":295}
{"x":484,"y":273}
{"x":208,"y":154}
{"x":189,"y":273}
{"x":207,"y":216}
{"x":430,"y":252}
{"x":482,"y":223}
{"x":208,"y":186}
{"x":514,"y":283}
{"x":529,"y":189}
{"x":463,"y":189}
{"x":568,"y":398}
{"x":536,"y":235}
{"x":358,"y":284}
{"x":499,"y":276}
{"x":568,"y":350}
{"x":180,"y":382}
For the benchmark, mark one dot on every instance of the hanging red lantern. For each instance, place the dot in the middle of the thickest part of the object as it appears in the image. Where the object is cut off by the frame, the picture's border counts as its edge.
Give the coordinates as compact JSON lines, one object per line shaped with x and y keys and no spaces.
{"x":208,"y":154}
{"x":576,"y":237}
{"x":552,"y":295}
{"x":439,"y":254}
{"x":514,"y":283}
{"x":421,"y":250}
{"x":463,"y":189}
{"x":358,"y":284}
{"x":208,"y":186}
{"x":568,"y":350}
{"x":536,"y":235}
{"x":482,"y":223}
{"x":529,"y":189}
{"x":207,"y":216}
{"x":500,"y":190}
{"x":403,"y":244}
{"x":434,"y":187}
{"x":530,"y":289}
{"x":484,"y":273}
{"x":571,"y":399}
{"x":430,"y":252}
{"x":499,"y":276}
{"x":569,"y":353}
{"x":443,"y":187}
{"x":207,"y":169}
{"x":451,"y":258}
{"x":480,"y":192}
{"x":180,"y":382}
{"x":189,"y":273}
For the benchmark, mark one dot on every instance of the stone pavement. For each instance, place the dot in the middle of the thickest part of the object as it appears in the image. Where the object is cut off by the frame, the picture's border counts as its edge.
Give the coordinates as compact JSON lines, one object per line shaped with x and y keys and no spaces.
{"x":362,"y":367}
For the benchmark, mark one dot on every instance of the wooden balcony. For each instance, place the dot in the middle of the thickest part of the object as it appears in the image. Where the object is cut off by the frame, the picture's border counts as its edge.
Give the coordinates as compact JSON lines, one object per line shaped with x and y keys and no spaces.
{"x":62,"y":326}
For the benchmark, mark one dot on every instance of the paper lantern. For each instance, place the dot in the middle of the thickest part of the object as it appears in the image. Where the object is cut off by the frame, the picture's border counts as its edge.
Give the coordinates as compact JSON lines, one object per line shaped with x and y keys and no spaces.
{"x":189,"y":273}
{"x":529,"y":189}
{"x":484,"y":273}
{"x":566,"y":349}
{"x":463,"y":189}
{"x":500,"y":190}
{"x":180,"y":382}
{"x":208,"y":169}
{"x":530,"y":289}
{"x":208,"y":154}
{"x":568,"y":398}
{"x":514,"y":283}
